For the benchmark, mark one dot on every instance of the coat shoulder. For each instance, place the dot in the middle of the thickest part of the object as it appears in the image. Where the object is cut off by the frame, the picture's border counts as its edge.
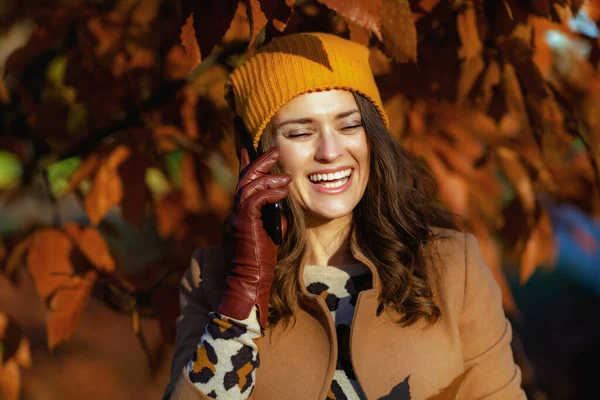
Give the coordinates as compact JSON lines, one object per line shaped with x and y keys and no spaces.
{"x":446,"y":255}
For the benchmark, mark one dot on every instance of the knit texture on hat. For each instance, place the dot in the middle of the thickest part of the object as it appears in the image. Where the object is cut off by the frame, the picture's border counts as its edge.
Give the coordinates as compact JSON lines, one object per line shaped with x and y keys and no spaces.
{"x":296,"y":64}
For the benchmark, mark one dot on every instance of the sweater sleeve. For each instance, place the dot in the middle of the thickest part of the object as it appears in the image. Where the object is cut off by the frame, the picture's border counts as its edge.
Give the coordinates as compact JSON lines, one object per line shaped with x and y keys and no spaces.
{"x":490,"y":370}
{"x":225,"y":360}
{"x":201,"y":332}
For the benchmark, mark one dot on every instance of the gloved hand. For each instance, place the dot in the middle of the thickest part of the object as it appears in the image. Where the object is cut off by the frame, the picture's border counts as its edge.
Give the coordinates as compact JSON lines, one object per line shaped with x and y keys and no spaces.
{"x":254,"y":253}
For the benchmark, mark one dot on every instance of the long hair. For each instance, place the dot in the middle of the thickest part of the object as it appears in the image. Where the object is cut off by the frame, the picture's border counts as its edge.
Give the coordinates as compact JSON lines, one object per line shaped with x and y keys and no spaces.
{"x":393,"y":223}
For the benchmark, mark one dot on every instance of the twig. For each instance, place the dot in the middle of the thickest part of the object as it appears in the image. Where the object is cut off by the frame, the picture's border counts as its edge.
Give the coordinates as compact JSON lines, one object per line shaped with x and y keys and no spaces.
{"x":133,"y":118}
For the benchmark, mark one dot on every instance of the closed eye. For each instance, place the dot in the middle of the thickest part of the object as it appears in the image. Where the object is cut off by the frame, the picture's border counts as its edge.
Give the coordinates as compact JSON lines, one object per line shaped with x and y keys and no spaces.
{"x":351,"y":127}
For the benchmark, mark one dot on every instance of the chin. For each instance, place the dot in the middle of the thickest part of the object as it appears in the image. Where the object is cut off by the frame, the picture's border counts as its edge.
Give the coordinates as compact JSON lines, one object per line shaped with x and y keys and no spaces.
{"x":332,"y":213}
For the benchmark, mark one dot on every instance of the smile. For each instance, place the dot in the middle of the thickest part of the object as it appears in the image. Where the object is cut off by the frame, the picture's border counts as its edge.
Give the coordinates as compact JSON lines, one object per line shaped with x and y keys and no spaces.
{"x":331,"y":180}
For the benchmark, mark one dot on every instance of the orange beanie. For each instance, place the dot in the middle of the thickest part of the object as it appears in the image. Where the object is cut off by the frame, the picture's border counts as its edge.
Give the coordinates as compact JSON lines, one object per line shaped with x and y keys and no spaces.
{"x":296,"y":64}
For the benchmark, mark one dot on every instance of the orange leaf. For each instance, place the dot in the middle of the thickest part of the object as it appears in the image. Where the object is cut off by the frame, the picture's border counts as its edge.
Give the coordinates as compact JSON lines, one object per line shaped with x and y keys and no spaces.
{"x":84,"y":171}
{"x":366,"y":14}
{"x":257,"y":20}
{"x":492,"y":254}
{"x":358,"y":34}
{"x":518,"y":177}
{"x":192,"y":195}
{"x":15,"y":259}
{"x":282,"y":14}
{"x":466,"y":23}
{"x":68,"y":305}
{"x":92,"y":245}
{"x":169,"y":213}
{"x":4,"y":93}
{"x":398,"y":30}
{"x":49,"y":261}
{"x":212,"y":19}
{"x":107,"y":190}
{"x":539,"y":247}
{"x":592,"y":7}
{"x":23,"y":354}
{"x":189,"y":42}
{"x":10,"y":380}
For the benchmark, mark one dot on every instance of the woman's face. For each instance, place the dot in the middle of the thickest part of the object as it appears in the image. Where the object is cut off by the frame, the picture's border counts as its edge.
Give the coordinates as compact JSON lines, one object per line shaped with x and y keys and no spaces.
{"x":323,"y":145}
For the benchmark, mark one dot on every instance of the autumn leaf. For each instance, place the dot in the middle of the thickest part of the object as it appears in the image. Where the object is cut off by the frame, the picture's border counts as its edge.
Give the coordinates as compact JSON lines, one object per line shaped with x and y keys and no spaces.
{"x":211,"y":20}
{"x":192,"y":193}
{"x":190,"y":44}
{"x":466,"y":24}
{"x":91,"y":243}
{"x":281,"y":15}
{"x":592,"y":8}
{"x":398,"y":30}
{"x":83,"y":172}
{"x":107,"y":189}
{"x":67,"y":307}
{"x":4,"y":93}
{"x":49,"y":261}
{"x":169,"y":214}
{"x":366,"y":14}
{"x":518,"y":176}
{"x":15,"y":259}
{"x":10,"y":380}
{"x":257,"y":19}
{"x":539,"y":247}
{"x":358,"y":34}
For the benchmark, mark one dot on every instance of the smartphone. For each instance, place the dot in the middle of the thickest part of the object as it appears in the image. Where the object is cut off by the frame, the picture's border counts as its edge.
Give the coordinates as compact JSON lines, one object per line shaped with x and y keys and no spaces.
{"x":271,"y":212}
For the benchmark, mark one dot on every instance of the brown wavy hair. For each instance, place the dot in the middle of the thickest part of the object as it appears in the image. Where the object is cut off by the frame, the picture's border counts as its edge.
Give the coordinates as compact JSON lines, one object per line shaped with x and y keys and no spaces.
{"x":393,"y":226}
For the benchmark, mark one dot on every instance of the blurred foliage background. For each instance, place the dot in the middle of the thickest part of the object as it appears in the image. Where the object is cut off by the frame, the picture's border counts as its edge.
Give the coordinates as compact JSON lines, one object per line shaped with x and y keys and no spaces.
{"x":117,"y":159}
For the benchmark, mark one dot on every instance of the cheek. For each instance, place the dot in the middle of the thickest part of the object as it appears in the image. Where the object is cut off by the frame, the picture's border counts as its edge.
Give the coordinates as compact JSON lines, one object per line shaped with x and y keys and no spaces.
{"x":293,"y":158}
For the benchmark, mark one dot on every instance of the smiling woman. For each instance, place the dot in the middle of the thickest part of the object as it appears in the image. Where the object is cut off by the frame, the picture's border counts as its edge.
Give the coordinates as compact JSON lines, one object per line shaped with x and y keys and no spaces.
{"x":371,"y":294}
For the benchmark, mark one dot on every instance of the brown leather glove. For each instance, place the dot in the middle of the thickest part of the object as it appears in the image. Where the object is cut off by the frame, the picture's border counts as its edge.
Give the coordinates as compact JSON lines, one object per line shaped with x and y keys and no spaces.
{"x":254,"y":253}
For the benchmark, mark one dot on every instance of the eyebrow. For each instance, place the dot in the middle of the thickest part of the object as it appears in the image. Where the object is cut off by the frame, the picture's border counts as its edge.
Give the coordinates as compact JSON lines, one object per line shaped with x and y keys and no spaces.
{"x":309,"y":120}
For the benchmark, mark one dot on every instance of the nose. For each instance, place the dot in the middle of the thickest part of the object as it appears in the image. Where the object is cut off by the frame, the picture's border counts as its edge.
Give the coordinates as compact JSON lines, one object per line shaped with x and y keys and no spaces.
{"x":329,"y":147}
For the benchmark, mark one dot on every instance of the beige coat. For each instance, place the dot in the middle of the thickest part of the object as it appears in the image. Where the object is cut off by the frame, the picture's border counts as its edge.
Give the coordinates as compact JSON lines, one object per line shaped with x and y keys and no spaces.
{"x":466,"y":355}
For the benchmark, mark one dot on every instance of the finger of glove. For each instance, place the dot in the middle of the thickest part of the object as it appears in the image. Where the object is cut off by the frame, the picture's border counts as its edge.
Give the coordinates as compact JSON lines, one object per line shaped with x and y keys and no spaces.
{"x":259,"y":167}
{"x":244,"y":160}
{"x":252,"y":206}
{"x":262,"y":183}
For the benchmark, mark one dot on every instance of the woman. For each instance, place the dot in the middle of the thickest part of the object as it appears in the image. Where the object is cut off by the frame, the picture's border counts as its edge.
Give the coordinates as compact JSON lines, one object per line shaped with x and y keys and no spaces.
{"x":367,"y":296}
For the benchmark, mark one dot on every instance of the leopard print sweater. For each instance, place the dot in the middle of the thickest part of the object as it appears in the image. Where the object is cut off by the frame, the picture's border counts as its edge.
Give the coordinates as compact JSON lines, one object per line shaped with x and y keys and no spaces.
{"x":226,"y":358}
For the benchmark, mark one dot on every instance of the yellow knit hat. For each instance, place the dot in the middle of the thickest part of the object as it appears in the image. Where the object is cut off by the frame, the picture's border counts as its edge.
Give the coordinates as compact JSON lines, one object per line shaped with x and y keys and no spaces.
{"x":296,"y":64}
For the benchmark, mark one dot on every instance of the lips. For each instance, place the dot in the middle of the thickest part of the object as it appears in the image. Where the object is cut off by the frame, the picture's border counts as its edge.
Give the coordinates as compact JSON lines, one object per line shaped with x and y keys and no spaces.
{"x":332,"y":182}
{"x":330,"y":177}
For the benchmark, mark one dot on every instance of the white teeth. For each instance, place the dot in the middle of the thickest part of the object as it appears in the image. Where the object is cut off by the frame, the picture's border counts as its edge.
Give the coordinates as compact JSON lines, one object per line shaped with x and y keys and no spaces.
{"x":331,"y":176}
{"x":335,"y":184}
